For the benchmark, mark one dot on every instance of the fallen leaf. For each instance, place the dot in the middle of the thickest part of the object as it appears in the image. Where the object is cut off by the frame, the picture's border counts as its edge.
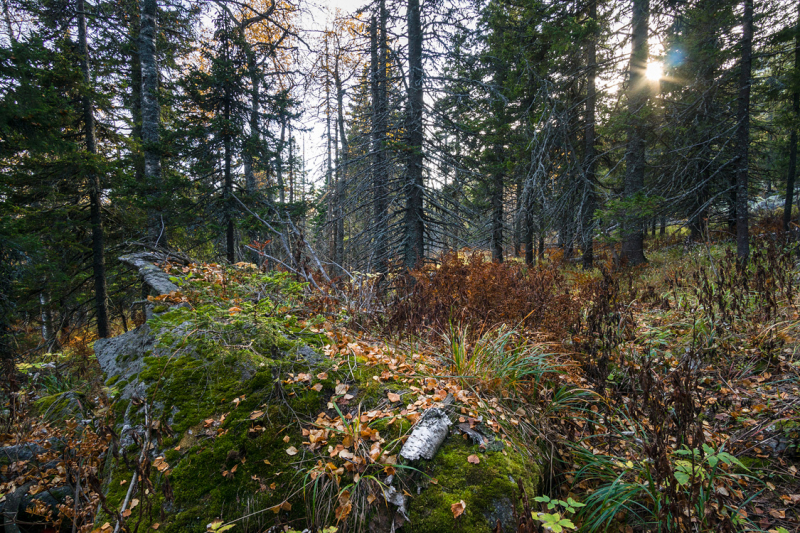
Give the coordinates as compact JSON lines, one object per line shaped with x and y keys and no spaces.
{"x":286,"y":438}
{"x":474,"y":459}
{"x":317,"y":387}
{"x":393,"y":397}
{"x":291,"y":450}
{"x":155,"y":526}
{"x":458,"y":508}
{"x":134,"y":502}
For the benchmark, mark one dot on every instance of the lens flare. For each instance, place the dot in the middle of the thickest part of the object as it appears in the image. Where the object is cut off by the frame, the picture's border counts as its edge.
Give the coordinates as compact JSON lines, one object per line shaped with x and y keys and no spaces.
{"x":655,"y":71}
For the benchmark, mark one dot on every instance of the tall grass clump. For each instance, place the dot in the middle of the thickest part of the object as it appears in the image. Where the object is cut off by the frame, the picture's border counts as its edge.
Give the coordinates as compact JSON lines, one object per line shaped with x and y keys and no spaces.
{"x":499,"y":360}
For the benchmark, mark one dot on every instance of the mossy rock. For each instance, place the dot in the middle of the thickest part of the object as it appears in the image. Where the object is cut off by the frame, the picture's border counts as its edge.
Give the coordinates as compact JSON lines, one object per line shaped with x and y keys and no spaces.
{"x":217,"y":387}
{"x":489,"y":489}
{"x":224,"y":461}
{"x":62,"y":406}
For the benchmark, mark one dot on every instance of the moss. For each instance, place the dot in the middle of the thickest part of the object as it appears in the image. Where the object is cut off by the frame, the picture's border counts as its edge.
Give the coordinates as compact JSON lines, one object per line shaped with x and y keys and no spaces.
{"x":61,"y":406}
{"x":752,"y":464}
{"x":482,"y":487}
{"x":200,"y":383}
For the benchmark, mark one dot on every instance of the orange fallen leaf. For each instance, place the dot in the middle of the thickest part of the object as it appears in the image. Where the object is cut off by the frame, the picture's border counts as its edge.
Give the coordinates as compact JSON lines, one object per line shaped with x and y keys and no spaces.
{"x":474,"y":459}
{"x":393,"y":397}
{"x":458,"y":508}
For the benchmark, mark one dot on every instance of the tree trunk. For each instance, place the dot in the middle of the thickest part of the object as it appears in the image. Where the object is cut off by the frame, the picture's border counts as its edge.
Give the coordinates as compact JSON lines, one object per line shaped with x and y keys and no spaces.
{"x":787,"y":206}
{"x":253,"y":143}
{"x":497,"y":209}
{"x":341,"y":169}
{"x":518,"y":220}
{"x":589,"y":163}
{"x":743,"y":135}
{"x":151,"y":121}
{"x":279,"y":163}
{"x":633,"y":237}
{"x":95,"y":189}
{"x":136,"y":98}
{"x":414,"y":216}
{"x":529,"y":233}
{"x":230,"y":244}
{"x":379,"y":105}
{"x":7,"y":19}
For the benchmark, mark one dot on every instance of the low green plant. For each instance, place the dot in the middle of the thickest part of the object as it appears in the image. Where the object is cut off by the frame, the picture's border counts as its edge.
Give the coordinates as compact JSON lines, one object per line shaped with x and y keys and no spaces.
{"x":557,"y":520}
{"x":659,"y":497}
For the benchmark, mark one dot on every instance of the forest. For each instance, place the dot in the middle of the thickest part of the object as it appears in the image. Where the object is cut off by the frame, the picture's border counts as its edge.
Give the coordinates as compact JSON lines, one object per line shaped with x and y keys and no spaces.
{"x":399,"y":265}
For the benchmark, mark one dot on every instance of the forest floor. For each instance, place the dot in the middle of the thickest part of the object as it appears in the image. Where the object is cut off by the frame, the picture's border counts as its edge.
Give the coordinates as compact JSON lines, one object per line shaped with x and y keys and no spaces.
{"x":662,"y":398}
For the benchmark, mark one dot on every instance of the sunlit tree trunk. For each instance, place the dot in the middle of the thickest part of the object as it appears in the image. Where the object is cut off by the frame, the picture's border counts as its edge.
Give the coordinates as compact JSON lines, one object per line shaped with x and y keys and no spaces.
{"x":633,"y":237}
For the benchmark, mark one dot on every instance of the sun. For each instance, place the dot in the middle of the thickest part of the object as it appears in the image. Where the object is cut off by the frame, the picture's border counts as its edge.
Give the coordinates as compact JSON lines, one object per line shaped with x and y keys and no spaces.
{"x":655,"y":71}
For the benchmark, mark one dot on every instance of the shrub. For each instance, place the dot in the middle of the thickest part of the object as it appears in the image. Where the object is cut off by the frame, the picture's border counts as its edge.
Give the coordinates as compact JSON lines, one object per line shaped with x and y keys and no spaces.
{"x":480,"y":295}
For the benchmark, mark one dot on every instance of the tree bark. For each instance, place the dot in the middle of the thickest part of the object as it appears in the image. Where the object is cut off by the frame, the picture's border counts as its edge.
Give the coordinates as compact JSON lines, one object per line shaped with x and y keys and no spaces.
{"x":230,"y":244}
{"x":414,"y":215}
{"x":379,"y":105}
{"x":497,"y":208}
{"x":633,"y":237}
{"x":7,"y":19}
{"x":341,"y":169}
{"x":151,"y":121}
{"x":743,"y":135}
{"x":252,"y":145}
{"x":136,"y":95}
{"x":787,"y":206}
{"x":93,"y":179}
{"x":589,"y":163}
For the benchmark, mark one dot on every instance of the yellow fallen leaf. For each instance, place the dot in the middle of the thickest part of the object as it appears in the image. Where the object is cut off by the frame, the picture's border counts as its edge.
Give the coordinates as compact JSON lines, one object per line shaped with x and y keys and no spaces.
{"x":286,"y":439}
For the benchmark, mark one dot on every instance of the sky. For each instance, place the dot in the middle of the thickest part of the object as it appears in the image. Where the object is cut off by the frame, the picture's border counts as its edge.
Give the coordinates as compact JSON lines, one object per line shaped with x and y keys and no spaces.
{"x":313,"y":142}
